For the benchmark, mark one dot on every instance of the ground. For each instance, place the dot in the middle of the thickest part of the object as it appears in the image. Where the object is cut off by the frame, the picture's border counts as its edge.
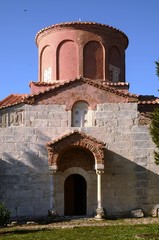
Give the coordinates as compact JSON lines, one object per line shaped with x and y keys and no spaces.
{"x":83,"y":228}
{"x":83,"y":222}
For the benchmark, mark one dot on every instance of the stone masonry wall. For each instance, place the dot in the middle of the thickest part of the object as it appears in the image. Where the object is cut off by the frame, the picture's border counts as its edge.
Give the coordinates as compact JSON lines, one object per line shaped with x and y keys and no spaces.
{"x":130,"y":179}
{"x":131,"y":176}
{"x":24,"y":172}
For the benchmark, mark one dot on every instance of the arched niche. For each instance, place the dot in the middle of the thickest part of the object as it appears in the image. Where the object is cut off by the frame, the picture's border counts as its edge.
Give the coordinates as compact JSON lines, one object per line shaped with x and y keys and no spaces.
{"x":46,"y":64}
{"x":115,"y":64}
{"x":115,"y":56}
{"x":81,"y":115}
{"x":76,"y":156}
{"x":93,"y":60}
{"x":67,"y":60}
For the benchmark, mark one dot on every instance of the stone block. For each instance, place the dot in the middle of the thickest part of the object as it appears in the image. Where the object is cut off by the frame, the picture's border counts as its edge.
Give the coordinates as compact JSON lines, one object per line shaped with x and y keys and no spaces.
{"x":105,"y":115}
{"x":64,"y":123}
{"x":39,"y":108}
{"x":141,"y":136}
{"x":124,"y":128}
{"x":142,"y":144}
{"x":99,"y":122}
{"x":128,"y":106}
{"x":43,"y":115}
{"x":55,"y":108}
{"x":31,"y":223}
{"x":142,"y":161}
{"x":54,"y":123}
{"x":13,"y":223}
{"x":122,"y":122}
{"x":126,"y":114}
{"x":9,"y":147}
{"x":111,"y":107}
{"x":31,"y":115}
{"x":40,"y":123}
{"x":140,"y":129}
{"x":99,"y":107}
{"x":137,"y":213}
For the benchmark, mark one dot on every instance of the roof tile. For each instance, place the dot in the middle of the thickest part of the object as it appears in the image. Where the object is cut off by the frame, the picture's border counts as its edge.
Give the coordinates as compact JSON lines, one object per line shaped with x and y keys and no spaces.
{"x":76,"y":24}
{"x":12,"y":99}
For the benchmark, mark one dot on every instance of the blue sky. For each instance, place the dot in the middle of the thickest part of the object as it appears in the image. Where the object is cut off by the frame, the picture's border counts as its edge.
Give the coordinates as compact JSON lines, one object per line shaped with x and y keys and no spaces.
{"x":20,"y":20}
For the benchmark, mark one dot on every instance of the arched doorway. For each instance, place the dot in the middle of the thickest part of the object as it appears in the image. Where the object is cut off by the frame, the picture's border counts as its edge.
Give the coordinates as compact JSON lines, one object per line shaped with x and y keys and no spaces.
{"x":75,"y":195}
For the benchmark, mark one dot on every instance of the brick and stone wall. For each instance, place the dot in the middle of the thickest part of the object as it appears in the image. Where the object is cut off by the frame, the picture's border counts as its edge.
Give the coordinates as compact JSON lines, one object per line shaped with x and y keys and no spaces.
{"x":130,"y":178}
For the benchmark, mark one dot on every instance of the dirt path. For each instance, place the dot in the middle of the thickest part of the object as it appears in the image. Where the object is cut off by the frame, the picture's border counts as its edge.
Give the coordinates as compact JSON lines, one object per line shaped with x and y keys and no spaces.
{"x":71,"y":223}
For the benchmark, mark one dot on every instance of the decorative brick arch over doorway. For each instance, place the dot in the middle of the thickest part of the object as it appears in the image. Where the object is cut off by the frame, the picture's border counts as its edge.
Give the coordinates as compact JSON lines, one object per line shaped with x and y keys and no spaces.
{"x":76,"y":141}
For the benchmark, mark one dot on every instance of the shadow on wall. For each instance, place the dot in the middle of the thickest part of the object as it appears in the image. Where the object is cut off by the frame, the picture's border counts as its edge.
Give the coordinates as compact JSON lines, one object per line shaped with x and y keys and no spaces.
{"x":128,"y":185}
{"x":24,"y":179}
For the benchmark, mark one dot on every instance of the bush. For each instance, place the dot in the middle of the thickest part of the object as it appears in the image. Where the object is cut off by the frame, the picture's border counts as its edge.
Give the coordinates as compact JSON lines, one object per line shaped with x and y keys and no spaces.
{"x":4,"y":214}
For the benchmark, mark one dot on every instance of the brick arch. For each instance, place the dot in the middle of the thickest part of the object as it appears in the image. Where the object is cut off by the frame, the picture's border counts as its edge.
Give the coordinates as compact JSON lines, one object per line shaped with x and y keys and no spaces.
{"x":77,"y":98}
{"x":76,"y":139}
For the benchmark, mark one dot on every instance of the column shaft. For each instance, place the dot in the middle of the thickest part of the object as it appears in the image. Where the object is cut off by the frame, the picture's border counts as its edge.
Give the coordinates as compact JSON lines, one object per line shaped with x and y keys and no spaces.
{"x":52,"y":211}
{"x":100,"y":210}
{"x":99,"y":196}
{"x":52,"y":197}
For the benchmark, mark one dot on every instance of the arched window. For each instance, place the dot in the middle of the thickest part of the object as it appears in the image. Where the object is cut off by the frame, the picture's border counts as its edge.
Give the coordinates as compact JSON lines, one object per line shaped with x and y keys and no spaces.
{"x":81,"y":115}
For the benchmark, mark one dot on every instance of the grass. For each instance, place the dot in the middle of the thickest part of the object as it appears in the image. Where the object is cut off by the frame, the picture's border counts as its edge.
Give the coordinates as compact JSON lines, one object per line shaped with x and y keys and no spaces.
{"x":116,"y":232}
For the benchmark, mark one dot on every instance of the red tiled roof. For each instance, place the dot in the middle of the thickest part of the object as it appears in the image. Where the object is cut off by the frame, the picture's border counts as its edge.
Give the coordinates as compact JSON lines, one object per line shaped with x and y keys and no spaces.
{"x":79,"y":23}
{"x":149,"y":102}
{"x":12,"y":99}
{"x":44,"y":83}
{"x":102,"y":86}
{"x":59,"y":83}
{"x":116,"y":84}
{"x":148,"y":99}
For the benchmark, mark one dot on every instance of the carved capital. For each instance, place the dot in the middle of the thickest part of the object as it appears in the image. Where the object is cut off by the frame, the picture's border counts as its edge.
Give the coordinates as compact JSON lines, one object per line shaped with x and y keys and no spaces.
{"x":99,"y":172}
{"x":52,"y":169}
{"x":52,"y":172}
{"x":50,"y":157}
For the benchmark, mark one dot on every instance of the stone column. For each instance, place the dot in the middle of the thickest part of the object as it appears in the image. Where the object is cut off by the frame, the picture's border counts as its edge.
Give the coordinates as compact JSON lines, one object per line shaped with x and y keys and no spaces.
{"x":52,"y":211}
{"x":100,"y":210}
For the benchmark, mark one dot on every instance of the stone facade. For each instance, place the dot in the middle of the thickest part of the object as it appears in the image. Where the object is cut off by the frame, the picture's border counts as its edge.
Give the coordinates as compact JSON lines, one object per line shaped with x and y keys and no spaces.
{"x":130,"y":178}
{"x":77,"y":145}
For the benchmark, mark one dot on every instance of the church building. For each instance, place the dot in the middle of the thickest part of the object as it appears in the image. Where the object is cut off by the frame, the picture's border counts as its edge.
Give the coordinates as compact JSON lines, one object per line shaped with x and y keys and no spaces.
{"x":79,"y":143}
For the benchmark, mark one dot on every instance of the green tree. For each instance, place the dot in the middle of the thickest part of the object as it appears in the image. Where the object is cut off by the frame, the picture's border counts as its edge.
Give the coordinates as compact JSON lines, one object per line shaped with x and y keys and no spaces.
{"x":4,"y":214}
{"x":157,"y":68}
{"x":154,"y":126}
